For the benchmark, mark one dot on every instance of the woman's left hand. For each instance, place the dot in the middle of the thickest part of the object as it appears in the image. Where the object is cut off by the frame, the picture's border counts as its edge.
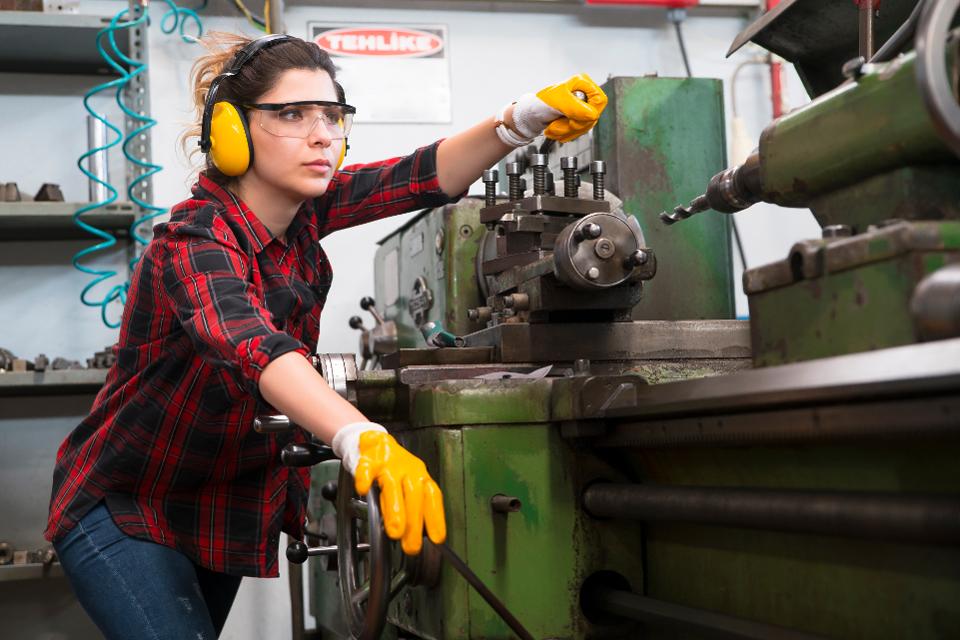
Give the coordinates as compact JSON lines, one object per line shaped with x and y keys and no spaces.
{"x":559,"y":113}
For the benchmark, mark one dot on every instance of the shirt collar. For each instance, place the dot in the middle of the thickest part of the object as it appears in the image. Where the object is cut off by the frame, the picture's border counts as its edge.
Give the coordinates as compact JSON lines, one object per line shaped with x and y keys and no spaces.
{"x":255,"y":231}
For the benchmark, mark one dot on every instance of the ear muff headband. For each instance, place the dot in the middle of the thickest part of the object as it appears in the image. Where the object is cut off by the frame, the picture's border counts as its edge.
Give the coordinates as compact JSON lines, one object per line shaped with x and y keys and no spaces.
{"x":224,"y":133}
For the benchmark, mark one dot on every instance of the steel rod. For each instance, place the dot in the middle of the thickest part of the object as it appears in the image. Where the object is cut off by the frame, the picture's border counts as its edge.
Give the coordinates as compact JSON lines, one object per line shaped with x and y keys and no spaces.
{"x":484,"y":592}
{"x":880,"y":516}
{"x":717,"y":625}
{"x":866,"y":29}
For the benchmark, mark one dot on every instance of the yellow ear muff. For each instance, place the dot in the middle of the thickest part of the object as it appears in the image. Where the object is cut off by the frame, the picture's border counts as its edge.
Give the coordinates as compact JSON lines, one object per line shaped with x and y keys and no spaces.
{"x":343,"y":153}
{"x":230,"y":148}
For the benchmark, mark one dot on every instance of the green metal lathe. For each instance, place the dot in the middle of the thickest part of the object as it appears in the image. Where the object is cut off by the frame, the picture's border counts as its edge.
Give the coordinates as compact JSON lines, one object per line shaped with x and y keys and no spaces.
{"x":622,"y":459}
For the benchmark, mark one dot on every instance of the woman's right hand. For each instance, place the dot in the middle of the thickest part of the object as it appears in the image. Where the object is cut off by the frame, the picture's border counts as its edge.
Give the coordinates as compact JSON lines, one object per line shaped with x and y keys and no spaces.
{"x":410,"y":499}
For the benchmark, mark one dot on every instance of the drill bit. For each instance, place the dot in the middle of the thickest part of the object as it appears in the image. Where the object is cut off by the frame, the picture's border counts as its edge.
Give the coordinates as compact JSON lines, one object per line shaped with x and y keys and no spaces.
{"x":680,"y":212}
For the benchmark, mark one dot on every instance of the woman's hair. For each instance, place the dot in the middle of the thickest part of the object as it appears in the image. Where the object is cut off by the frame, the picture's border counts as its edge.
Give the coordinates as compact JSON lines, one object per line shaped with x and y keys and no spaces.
{"x":255,"y":78}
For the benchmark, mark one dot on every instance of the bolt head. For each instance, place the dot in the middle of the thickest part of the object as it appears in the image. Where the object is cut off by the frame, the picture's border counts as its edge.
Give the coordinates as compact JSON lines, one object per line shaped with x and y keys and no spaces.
{"x":591,"y":230}
{"x":491,"y":175}
{"x":598,"y":166}
{"x":568,"y":162}
{"x":513,"y":169}
{"x":593,"y":273}
{"x":604,"y":248}
{"x":837,"y":231}
{"x":538,"y":160}
{"x":638,"y":258}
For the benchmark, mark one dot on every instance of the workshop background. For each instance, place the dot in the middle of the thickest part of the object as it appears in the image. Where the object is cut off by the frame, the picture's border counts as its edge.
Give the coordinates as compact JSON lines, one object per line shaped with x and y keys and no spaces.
{"x":497,"y":51}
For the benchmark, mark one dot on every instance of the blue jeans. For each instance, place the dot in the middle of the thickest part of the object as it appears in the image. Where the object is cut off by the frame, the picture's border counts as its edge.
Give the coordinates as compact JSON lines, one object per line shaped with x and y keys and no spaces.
{"x":134,"y":588}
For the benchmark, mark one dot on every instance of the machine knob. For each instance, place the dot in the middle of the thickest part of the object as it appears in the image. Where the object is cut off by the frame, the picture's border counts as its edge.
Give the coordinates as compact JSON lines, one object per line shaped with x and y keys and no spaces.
{"x":305,"y":455}
{"x":272,"y":424}
{"x":297,"y":552}
{"x":329,"y":491}
{"x":368,"y":304}
{"x":356,"y":322}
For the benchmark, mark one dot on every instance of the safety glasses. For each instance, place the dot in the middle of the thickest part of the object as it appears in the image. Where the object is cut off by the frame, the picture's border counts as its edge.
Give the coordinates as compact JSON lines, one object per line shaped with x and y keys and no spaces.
{"x":297,"y":119}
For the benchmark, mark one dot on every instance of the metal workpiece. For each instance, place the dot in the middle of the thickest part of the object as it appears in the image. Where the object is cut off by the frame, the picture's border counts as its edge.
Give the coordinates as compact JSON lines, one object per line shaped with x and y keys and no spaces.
{"x":861,"y":514}
{"x":935,"y":304}
{"x":490,"y":179}
{"x":598,"y":172}
{"x":568,"y":164}
{"x":596,"y":252}
{"x":514,"y":171}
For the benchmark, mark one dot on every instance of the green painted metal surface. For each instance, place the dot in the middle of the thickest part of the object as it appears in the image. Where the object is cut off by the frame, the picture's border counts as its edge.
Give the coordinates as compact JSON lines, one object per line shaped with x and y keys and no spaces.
{"x":439,"y":245}
{"x":840,"y":588}
{"x":862,"y":308}
{"x":856,"y":131}
{"x":906,"y":193}
{"x":663,"y":139}
{"x":534,"y":559}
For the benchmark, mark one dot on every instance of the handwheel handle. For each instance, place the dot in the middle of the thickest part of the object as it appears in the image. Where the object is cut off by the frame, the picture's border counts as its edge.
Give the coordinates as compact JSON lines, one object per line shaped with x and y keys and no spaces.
{"x":297,"y":552}
{"x":364,"y":606}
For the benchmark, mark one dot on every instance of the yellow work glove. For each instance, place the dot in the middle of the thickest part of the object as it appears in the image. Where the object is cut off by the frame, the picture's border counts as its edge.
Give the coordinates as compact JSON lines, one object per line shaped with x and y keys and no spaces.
{"x":556,"y":111}
{"x":409,"y":497}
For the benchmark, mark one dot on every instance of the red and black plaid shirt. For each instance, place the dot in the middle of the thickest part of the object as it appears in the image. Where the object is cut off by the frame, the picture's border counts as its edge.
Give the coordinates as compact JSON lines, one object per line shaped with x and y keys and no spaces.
{"x":169,"y":443}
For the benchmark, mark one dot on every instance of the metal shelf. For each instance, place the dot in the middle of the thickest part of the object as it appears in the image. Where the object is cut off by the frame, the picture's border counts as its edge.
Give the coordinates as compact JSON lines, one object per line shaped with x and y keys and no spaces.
{"x":50,"y":382}
{"x":30,"y":571}
{"x":54,"y":220}
{"x":37,"y":42}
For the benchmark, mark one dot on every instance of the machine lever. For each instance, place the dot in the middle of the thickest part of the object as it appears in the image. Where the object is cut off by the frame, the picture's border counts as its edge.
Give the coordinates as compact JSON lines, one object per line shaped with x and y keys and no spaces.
{"x":484,"y":592}
{"x":272,"y":424}
{"x":305,"y":455}
{"x":298,"y":552}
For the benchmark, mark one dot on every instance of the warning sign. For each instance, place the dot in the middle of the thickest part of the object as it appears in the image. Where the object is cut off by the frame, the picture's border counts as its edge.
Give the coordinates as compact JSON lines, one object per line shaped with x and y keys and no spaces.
{"x":391,"y":73}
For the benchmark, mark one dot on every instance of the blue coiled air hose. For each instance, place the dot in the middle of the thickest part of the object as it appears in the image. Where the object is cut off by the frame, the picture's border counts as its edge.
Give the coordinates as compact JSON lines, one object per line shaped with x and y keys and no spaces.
{"x":133,"y":68}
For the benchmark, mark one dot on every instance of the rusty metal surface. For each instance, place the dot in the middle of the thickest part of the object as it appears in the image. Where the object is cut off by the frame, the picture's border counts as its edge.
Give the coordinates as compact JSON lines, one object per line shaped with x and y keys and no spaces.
{"x":540,"y":203}
{"x":815,"y":258}
{"x":640,"y":340}
{"x":663,"y":139}
{"x":921,"y":369}
{"x":925,"y":418}
{"x":471,"y":354}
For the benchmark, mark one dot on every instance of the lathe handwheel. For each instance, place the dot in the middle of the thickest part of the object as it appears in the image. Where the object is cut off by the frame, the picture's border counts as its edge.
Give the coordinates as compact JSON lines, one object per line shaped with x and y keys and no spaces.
{"x":365,"y":587}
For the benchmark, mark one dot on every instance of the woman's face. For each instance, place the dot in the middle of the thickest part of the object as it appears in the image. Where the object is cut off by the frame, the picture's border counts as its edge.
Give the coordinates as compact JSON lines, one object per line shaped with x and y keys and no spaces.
{"x":299,"y":167}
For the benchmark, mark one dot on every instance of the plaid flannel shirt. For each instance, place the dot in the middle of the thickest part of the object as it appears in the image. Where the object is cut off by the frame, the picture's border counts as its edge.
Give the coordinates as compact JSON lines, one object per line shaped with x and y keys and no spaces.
{"x":169,"y":442}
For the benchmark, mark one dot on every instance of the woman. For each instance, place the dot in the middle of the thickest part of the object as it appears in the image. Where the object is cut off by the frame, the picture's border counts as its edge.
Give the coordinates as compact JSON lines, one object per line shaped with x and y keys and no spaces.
{"x":164,"y":496}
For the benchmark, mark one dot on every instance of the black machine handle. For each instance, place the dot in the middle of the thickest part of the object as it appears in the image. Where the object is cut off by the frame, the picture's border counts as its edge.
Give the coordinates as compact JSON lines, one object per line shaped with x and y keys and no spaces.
{"x":306,"y":455}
